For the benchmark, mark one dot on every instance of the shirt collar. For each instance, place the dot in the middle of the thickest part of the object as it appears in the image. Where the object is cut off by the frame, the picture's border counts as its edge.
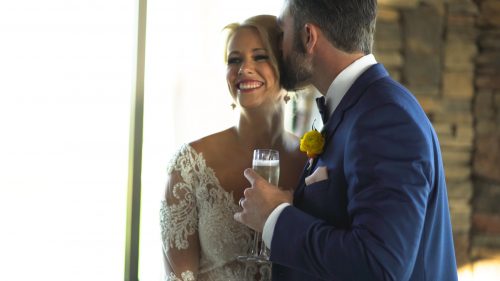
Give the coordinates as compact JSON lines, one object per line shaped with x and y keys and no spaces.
{"x":345,"y":79}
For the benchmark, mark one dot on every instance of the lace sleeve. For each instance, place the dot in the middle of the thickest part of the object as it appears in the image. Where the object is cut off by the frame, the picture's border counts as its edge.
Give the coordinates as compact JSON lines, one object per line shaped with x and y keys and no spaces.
{"x":178,"y":216}
{"x":185,"y":276}
{"x":179,"y":220}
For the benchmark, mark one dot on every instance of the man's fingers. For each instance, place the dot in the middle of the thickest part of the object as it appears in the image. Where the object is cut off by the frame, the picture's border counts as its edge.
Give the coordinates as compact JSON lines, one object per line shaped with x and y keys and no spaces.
{"x":251,"y":175}
{"x":245,"y":218}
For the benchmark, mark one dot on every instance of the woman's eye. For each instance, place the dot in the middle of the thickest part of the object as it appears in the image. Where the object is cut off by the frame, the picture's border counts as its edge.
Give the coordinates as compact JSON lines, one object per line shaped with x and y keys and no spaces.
{"x":261,"y":57}
{"x":233,"y":60}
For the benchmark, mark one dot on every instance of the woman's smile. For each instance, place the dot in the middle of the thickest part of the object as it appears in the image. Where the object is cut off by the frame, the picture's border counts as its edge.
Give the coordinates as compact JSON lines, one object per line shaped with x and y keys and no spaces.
{"x":249,"y":85}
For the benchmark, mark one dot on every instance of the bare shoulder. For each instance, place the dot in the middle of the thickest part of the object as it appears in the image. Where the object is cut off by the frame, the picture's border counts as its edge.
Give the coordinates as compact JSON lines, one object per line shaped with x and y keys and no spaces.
{"x":210,"y":146}
{"x":224,"y":157}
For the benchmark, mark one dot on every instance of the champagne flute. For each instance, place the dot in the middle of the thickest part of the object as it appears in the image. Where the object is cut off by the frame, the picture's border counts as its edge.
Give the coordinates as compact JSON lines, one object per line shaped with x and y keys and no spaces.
{"x":266,"y":164}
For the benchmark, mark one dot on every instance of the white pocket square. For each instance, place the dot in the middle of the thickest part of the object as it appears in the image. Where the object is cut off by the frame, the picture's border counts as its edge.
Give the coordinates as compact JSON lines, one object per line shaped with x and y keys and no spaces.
{"x":321,"y":173}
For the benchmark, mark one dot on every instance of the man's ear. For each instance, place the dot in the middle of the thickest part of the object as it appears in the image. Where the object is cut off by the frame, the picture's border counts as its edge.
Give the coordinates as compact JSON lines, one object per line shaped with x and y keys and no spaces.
{"x":310,"y":37}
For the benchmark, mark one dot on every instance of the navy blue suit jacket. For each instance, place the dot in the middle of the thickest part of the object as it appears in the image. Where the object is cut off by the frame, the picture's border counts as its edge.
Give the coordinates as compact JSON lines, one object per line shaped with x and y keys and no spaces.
{"x":382,"y":214}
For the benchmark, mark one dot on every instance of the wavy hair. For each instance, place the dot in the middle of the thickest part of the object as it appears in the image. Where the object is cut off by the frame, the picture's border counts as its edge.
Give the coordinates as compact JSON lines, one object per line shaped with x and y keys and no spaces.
{"x":348,"y":24}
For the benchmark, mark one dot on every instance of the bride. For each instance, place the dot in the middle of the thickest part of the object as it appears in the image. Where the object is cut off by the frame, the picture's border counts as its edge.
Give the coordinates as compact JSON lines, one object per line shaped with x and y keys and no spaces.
{"x":201,"y":240}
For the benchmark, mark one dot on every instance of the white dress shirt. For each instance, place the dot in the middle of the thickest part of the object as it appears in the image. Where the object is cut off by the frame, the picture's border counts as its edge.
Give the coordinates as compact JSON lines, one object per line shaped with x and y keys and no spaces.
{"x":333,"y":96}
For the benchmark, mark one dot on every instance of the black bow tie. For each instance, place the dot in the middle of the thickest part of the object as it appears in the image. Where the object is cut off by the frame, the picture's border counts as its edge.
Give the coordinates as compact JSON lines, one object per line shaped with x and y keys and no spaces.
{"x":323,"y":109}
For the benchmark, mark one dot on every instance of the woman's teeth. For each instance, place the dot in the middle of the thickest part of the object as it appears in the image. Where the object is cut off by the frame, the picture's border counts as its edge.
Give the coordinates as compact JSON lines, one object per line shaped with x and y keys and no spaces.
{"x":249,"y":85}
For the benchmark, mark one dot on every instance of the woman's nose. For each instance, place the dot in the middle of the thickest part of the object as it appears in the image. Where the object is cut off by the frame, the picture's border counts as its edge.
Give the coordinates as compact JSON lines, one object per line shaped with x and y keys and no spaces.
{"x":245,"y":68}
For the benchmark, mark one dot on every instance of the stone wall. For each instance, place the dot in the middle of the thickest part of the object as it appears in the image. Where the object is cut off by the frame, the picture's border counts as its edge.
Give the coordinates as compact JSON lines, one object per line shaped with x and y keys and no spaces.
{"x":485,"y":242}
{"x":447,"y":52}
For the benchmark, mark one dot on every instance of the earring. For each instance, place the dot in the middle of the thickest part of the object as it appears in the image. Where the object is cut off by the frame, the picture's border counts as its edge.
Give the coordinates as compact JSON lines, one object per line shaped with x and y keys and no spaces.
{"x":233,"y":105}
{"x":286,"y":98}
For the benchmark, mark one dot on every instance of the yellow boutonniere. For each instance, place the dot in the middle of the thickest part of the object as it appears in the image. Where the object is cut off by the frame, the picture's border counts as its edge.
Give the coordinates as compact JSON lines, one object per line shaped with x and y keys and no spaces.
{"x":312,"y":143}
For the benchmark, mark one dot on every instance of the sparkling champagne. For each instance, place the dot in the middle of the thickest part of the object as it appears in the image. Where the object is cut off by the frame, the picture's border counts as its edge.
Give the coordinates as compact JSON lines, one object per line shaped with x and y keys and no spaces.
{"x":268,"y":169}
{"x":267,"y":164}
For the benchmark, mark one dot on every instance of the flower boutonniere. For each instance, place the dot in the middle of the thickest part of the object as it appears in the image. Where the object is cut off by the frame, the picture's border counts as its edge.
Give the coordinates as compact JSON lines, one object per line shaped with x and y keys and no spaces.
{"x":312,"y":143}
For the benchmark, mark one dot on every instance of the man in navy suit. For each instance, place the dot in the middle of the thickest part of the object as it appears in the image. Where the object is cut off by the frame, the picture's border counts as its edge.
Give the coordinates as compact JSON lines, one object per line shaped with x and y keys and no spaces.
{"x":373,"y":205}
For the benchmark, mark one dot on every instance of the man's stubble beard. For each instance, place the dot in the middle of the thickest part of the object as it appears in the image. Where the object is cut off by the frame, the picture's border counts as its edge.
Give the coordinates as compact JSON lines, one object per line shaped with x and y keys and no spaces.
{"x":297,"y":68}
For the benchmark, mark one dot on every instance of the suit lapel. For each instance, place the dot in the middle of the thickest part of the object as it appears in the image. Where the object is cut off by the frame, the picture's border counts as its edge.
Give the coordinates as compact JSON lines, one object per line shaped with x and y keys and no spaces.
{"x":352,"y":96}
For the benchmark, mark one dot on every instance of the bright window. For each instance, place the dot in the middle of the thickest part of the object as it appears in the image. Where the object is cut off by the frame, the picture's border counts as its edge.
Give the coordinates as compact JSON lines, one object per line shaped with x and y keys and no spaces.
{"x":65,"y":87}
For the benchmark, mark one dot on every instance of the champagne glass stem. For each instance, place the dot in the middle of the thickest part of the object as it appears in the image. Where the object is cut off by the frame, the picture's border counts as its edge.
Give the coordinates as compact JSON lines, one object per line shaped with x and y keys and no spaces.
{"x":266,"y":163}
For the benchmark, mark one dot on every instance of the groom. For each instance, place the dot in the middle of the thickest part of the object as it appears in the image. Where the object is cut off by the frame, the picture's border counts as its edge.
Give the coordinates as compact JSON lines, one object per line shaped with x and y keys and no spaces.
{"x":373,"y":205}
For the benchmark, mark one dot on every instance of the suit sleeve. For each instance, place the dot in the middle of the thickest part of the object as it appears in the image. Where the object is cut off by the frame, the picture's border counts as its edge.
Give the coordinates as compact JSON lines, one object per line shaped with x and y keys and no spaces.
{"x":388,"y":169}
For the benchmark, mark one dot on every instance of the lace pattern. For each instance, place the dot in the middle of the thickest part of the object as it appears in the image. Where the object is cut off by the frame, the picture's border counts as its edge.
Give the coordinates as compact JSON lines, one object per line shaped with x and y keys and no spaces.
{"x":196,"y":203}
{"x":185,"y":276}
{"x":178,"y":221}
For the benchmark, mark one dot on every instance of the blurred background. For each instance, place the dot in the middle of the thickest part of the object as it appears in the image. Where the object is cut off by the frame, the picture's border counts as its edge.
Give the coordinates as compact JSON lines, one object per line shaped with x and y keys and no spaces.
{"x":67,"y":70}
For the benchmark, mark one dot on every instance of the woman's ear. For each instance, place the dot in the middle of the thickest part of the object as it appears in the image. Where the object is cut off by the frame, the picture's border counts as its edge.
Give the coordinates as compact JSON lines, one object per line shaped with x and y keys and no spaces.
{"x":310,"y":37}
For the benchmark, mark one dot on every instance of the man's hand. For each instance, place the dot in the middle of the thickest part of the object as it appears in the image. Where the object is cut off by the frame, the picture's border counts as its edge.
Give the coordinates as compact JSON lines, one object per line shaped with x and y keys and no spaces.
{"x":260,"y":200}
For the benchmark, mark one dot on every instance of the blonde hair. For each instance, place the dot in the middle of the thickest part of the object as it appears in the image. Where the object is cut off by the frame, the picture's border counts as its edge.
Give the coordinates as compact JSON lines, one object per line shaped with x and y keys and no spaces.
{"x":269,"y":31}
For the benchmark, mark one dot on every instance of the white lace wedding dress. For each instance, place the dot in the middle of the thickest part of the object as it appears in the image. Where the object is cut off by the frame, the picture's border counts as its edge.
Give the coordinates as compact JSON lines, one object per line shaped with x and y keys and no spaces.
{"x":196,"y":204}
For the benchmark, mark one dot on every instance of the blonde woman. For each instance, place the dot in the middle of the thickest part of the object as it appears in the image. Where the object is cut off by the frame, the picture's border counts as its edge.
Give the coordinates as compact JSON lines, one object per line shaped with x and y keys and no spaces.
{"x":201,"y":239}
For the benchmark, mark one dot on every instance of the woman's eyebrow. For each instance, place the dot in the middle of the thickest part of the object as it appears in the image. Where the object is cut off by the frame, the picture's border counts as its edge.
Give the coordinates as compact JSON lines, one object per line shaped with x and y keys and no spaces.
{"x":259,"y":49}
